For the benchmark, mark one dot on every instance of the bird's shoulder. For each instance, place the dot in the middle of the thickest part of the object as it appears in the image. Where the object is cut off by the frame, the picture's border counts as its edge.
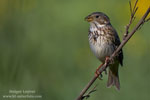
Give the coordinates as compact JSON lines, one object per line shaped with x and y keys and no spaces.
{"x":116,"y":41}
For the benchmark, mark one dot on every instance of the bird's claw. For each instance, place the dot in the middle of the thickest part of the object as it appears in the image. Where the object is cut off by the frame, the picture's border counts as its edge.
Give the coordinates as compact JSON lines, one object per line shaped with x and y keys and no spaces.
{"x":105,"y":72}
{"x":99,"y":75}
{"x":111,"y":61}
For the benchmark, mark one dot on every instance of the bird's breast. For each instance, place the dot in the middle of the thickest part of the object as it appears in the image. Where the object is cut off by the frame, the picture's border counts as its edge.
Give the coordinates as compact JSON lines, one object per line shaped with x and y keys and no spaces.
{"x":100,"y":45}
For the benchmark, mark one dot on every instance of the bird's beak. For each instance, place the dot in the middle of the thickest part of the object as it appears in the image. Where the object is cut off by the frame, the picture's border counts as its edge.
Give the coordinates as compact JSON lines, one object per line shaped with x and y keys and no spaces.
{"x":89,"y":18}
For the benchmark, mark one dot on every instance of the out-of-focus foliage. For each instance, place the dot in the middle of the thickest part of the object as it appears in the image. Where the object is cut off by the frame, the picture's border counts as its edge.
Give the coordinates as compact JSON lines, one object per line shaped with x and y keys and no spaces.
{"x":44,"y":47}
{"x":142,"y":6}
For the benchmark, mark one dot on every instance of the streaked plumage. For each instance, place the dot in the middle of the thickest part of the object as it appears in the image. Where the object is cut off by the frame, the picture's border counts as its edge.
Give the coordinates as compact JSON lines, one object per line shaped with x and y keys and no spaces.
{"x":103,"y":40}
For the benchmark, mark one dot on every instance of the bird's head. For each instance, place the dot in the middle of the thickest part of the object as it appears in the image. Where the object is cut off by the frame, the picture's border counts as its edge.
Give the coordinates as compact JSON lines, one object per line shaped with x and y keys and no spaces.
{"x":98,"y":17}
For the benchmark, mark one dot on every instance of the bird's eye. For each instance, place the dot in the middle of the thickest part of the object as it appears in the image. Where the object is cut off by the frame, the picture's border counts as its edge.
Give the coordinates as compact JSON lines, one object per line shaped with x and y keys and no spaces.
{"x":97,"y":16}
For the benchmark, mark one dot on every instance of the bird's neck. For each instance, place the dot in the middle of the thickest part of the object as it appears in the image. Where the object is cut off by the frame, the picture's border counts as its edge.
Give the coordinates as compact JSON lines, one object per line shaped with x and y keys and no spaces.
{"x":95,"y":25}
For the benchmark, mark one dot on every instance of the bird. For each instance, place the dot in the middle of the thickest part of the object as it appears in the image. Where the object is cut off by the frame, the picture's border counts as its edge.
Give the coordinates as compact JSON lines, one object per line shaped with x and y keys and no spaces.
{"x":103,"y":41}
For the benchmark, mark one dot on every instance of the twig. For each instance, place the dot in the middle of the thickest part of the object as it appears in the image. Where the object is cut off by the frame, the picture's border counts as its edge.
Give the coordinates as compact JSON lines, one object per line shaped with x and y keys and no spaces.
{"x":142,"y":21}
{"x":147,"y":19}
{"x":88,"y":94}
{"x":132,"y":17}
{"x":130,"y":7}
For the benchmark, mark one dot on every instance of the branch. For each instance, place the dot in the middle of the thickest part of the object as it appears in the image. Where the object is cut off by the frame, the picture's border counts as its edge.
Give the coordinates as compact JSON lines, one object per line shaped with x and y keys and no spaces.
{"x":103,"y":68}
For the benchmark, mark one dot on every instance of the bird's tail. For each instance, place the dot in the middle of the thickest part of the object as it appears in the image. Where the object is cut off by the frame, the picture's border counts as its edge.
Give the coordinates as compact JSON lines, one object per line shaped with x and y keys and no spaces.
{"x":113,"y":77}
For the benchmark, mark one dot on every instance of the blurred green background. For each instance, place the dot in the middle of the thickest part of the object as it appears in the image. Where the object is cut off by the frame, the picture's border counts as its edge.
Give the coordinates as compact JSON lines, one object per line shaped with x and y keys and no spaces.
{"x":44,"y":47}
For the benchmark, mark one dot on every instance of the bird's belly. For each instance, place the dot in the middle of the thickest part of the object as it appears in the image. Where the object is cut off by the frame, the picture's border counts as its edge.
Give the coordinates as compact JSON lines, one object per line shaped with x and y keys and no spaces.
{"x":101,"y":51}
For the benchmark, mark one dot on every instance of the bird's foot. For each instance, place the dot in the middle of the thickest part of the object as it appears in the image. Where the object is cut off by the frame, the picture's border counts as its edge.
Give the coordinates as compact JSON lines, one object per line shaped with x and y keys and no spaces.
{"x":107,"y":59}
{"x":105,"y":72}
{"x":97,"y":73}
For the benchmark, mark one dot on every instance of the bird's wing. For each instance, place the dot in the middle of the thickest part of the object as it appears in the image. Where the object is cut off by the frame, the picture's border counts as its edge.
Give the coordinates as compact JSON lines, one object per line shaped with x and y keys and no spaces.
{"x":116,"y":41}
{"x":120,"y":54}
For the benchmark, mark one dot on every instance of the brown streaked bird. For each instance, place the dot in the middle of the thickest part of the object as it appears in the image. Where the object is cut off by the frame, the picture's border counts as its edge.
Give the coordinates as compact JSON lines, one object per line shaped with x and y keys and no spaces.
{"x":104,"y":40}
